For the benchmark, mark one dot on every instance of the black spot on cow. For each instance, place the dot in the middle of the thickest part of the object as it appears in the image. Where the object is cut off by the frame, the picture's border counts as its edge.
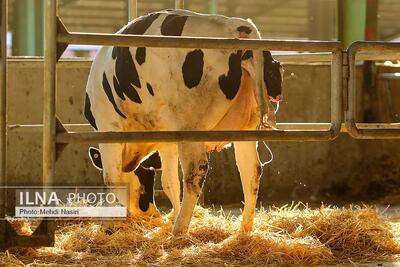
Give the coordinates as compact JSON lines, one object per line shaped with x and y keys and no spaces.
{"x":146,"y":179}
{"x":230,"y":83}
{"x":88,"y":112}
{"x":125,"y":70}
{"x":247,"y":55}
{"x":95,"y":157}
{"x":146,"y":173}
{"x":173,"y":25}
{"x":153,"y":161}
{"x":126,"y":74}
{"x":140,"y":25}
{"x":117,"y":88}
{"x":150,"y":89}
{"x":107,"y":90}
{"x":272,"y":75}
{"x":192,"y":68}
{"x":140,"y":55}
{"x":244,"y":29}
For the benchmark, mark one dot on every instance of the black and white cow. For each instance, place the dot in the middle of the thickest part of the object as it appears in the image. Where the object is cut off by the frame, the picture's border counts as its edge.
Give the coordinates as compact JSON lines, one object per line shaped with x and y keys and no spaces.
{"x":134,"y":89}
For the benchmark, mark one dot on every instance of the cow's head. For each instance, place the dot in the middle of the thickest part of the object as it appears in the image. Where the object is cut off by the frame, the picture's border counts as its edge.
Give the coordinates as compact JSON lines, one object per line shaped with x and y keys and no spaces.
{"x":144,"y":174}
{"x":273,"y":72}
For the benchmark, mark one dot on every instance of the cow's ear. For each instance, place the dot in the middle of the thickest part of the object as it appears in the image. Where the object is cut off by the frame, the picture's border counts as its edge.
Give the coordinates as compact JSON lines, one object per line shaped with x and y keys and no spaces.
{"x":95,"y":157}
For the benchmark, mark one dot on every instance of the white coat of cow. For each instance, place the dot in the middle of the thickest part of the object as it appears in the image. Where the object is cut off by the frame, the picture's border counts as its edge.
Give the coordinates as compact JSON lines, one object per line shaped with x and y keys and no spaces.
{"x":134,"y":89}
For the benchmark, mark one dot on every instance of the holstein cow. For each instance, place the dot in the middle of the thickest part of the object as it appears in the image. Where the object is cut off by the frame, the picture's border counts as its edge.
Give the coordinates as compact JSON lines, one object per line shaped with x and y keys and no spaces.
{"x":138,"y":88}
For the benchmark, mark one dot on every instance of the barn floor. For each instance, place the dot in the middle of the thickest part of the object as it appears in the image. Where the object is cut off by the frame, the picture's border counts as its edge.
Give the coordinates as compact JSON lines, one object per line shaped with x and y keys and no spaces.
{"x":290,"y":235}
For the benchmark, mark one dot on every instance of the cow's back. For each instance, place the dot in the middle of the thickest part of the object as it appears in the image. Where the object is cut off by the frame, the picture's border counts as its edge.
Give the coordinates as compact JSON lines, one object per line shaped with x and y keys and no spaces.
{"x":170,"y":89}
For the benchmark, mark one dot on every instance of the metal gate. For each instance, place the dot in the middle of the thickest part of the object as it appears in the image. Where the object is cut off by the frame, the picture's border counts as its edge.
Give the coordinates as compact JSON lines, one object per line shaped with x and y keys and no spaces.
{"x":56,"y":137}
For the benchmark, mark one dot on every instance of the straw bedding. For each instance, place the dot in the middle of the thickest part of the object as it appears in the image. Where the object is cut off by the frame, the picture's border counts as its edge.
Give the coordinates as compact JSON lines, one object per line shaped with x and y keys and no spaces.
{"x":291,"y":235}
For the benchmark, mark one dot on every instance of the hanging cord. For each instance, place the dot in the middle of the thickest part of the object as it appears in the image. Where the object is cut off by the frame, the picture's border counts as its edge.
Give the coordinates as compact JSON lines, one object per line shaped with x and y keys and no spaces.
{"x":270,"y":153}
{"x":267,"y":147}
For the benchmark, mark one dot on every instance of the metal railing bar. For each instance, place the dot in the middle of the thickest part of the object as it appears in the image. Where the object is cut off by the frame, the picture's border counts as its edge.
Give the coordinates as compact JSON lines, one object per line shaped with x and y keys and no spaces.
{"x":336,"y":93}
{"x":195,"y":42}
{"x":326,"y":57}
{"x":3,"y":121}
{"x":83,"y":127}
{"x":49,"y":92}
{"x":193,"y":136}
{"x":283,"y":58}
{"x":389,"y":76}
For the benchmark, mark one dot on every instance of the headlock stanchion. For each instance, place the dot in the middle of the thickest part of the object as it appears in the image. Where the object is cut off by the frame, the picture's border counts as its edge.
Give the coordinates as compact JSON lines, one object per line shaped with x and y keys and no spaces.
{"x":56,"y":136}
{"x":64,"y":38}
{"x":351,"y":125}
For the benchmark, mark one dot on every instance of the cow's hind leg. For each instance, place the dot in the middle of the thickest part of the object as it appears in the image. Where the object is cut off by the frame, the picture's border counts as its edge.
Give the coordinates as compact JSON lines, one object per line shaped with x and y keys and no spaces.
{"x":194,"y":163}
{"x":169,"y":176}
{"x":250,"y":170}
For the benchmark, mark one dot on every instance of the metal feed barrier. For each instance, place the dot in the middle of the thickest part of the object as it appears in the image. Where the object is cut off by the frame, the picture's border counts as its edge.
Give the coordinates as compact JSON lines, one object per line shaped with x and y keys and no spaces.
{"x":56,"y":136}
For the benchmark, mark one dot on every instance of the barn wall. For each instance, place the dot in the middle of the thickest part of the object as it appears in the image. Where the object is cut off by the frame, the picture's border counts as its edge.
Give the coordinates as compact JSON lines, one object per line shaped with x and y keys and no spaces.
{"x":300,"y":170}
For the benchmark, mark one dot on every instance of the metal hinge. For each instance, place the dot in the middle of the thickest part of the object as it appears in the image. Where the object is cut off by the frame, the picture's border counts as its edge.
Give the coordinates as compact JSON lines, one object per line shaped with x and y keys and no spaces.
{"x":346,"y":75}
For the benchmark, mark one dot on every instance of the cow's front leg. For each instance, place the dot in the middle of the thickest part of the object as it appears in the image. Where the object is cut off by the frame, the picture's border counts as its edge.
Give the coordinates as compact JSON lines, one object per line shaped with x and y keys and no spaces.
{"x":250,"y":170}
{"x":169,"y":176}
{"x":194,"y":163}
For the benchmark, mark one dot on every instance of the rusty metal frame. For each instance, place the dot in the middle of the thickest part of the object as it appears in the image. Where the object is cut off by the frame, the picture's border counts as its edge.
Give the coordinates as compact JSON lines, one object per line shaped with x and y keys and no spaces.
{"x":351,"y":117}
{"x":3,"y":122}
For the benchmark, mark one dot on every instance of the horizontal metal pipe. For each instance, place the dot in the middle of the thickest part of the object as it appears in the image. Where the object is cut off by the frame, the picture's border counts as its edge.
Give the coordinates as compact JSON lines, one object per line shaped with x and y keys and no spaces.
{"x":327,"y":57}
{"x":191,"y":136}
{"x":31,"y":128}
{"x":372,"y":133}
{"x":283,"y":58}
{"x":376,"y":47}
{"x":195,"y":42}
{"x":389,"y":76}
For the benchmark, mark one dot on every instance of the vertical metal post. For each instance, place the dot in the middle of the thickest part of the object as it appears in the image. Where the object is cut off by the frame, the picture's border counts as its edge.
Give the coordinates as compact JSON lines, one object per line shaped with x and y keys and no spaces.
{"x":132,"y":9}
{"x":369,"y":69}
{"x":336,"y":92}
{"x":179,"y":4}
{"x":49,"y":93}
{"x":3,"y":122}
